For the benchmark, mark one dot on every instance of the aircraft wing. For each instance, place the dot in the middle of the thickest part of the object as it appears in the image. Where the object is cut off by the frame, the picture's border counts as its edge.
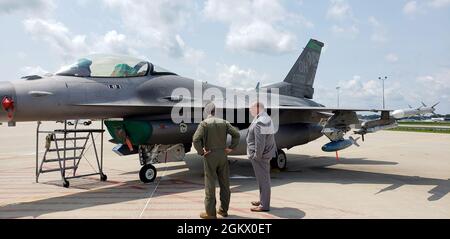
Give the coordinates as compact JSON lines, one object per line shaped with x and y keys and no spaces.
{"x":281,"y":107}
{"x":336,"y":122}
{"x":325,"y":109}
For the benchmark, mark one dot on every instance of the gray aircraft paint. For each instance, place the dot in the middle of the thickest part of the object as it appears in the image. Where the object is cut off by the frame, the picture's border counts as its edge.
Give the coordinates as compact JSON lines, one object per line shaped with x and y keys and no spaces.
{"x":149,"y":98}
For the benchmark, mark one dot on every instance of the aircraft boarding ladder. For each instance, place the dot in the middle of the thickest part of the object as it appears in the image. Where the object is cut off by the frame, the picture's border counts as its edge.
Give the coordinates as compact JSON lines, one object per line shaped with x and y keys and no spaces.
{"x":66,"y":148}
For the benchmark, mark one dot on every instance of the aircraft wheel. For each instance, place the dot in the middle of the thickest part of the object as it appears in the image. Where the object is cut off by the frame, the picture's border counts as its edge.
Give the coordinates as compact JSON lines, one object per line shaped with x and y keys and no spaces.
{"x":66,"y":184}
{"x":147,"y":174}
{"x":280,"y":161}
{"x":103,"y":177}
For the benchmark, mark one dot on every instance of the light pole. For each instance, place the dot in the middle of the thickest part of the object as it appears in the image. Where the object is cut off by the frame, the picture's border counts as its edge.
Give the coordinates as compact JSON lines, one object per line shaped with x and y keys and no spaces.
{"x":382,"y":80}
{"x":338,"y":88}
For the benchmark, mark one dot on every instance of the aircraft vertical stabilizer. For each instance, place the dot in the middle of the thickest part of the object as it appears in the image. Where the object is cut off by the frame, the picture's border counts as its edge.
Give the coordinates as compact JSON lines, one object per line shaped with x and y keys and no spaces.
{"x":300,"y":79}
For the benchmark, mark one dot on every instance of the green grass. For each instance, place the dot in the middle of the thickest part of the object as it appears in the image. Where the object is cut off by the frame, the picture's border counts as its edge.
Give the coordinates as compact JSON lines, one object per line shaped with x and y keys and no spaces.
{"x":425,"y":123}
{"x":421,"y":130}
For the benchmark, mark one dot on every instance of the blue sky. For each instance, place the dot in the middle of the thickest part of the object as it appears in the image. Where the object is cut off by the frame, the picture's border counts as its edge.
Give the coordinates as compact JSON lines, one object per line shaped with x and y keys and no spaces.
{"x":238,"y":43}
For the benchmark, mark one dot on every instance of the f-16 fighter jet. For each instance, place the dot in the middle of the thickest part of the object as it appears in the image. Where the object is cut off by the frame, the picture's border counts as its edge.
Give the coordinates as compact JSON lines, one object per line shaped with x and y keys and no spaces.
{"x":149,"y":110}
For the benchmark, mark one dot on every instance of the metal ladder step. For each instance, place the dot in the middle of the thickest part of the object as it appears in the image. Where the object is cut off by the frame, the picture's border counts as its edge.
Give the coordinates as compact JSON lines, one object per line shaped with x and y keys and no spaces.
{"x":57,"y":169}
{"x":67,"y":149}
{"x":56,"y":160}
{"x":78,"y":138}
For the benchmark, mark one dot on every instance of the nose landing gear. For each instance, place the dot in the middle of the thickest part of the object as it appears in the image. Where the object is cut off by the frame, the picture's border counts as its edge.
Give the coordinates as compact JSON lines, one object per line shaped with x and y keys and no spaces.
{"x":148,"y":173}
{"x":153,"y":154}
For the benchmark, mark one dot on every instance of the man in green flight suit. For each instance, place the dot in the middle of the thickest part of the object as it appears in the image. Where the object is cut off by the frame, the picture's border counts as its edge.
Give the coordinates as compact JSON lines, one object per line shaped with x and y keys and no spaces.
{"x":210,"y":141}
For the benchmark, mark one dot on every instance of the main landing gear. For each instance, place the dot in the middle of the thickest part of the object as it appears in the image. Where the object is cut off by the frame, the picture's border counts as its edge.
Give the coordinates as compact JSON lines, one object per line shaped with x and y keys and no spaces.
{"x":280,"y":161}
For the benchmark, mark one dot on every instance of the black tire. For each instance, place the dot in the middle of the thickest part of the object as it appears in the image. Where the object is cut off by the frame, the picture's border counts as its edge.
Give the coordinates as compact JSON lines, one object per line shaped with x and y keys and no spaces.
{"x":147,"y":174}
{"x":103,"y":177}
{"x":66,"y":184}
{"x":280,"y":161}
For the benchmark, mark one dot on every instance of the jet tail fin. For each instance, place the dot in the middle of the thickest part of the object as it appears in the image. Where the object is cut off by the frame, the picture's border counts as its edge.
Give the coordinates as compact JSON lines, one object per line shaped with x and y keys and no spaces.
{"x":435,"y":105}
{"x":300,"y":79}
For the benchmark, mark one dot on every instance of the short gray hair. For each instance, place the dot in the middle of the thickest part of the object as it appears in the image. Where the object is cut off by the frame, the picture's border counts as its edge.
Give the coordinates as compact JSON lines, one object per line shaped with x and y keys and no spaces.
{"x":210,"y":109}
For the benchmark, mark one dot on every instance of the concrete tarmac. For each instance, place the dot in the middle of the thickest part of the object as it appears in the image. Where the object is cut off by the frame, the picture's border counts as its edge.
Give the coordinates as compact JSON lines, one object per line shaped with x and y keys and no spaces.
{"x":392,"y":175}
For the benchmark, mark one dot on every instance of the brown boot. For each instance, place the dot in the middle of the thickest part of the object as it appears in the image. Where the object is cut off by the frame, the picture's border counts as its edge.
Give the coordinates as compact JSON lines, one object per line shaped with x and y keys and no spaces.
{"x":205,"y":215}
{"x":222,"y":213}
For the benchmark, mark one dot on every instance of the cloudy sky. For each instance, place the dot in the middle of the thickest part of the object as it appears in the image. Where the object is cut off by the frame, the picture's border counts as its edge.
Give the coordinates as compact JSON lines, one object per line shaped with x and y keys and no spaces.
{"x":237,"y":43}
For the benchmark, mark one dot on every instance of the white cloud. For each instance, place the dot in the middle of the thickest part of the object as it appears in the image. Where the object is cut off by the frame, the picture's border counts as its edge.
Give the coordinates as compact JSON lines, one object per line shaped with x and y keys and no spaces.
{"x":259,"y":36}
{"x":379,"y":32}
{"x":236,"y":10}
{"x":256,"y":25}
{"x":339,"y":10}
{"x":188,"y":53}
{"x":438,"y":83}
{"x":361,"y":92}
{"x":374,"y":22}
{"x":392,"y":58}
{"x":33,"y":70}
{"x":58,"y":36}
{"x":114,"y":37}
{"x":360,"y":89}
{"x":233,"y":76}
{"x":116,"y":43}
{"x":431,"y":88}
{"x":159,"y":23}
{"x":410,"y":8}
{"x":439,"y":3}
{"x":349,"y":31}
{"x":34,"y":7}
{"x":344,"y":22}
{"x":434,"y":88}
{"x":70,"y":45}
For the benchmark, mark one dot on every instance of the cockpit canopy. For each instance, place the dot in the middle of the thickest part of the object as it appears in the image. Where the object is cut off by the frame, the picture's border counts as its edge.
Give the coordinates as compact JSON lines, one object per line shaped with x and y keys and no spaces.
{"x":112,"y":67}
